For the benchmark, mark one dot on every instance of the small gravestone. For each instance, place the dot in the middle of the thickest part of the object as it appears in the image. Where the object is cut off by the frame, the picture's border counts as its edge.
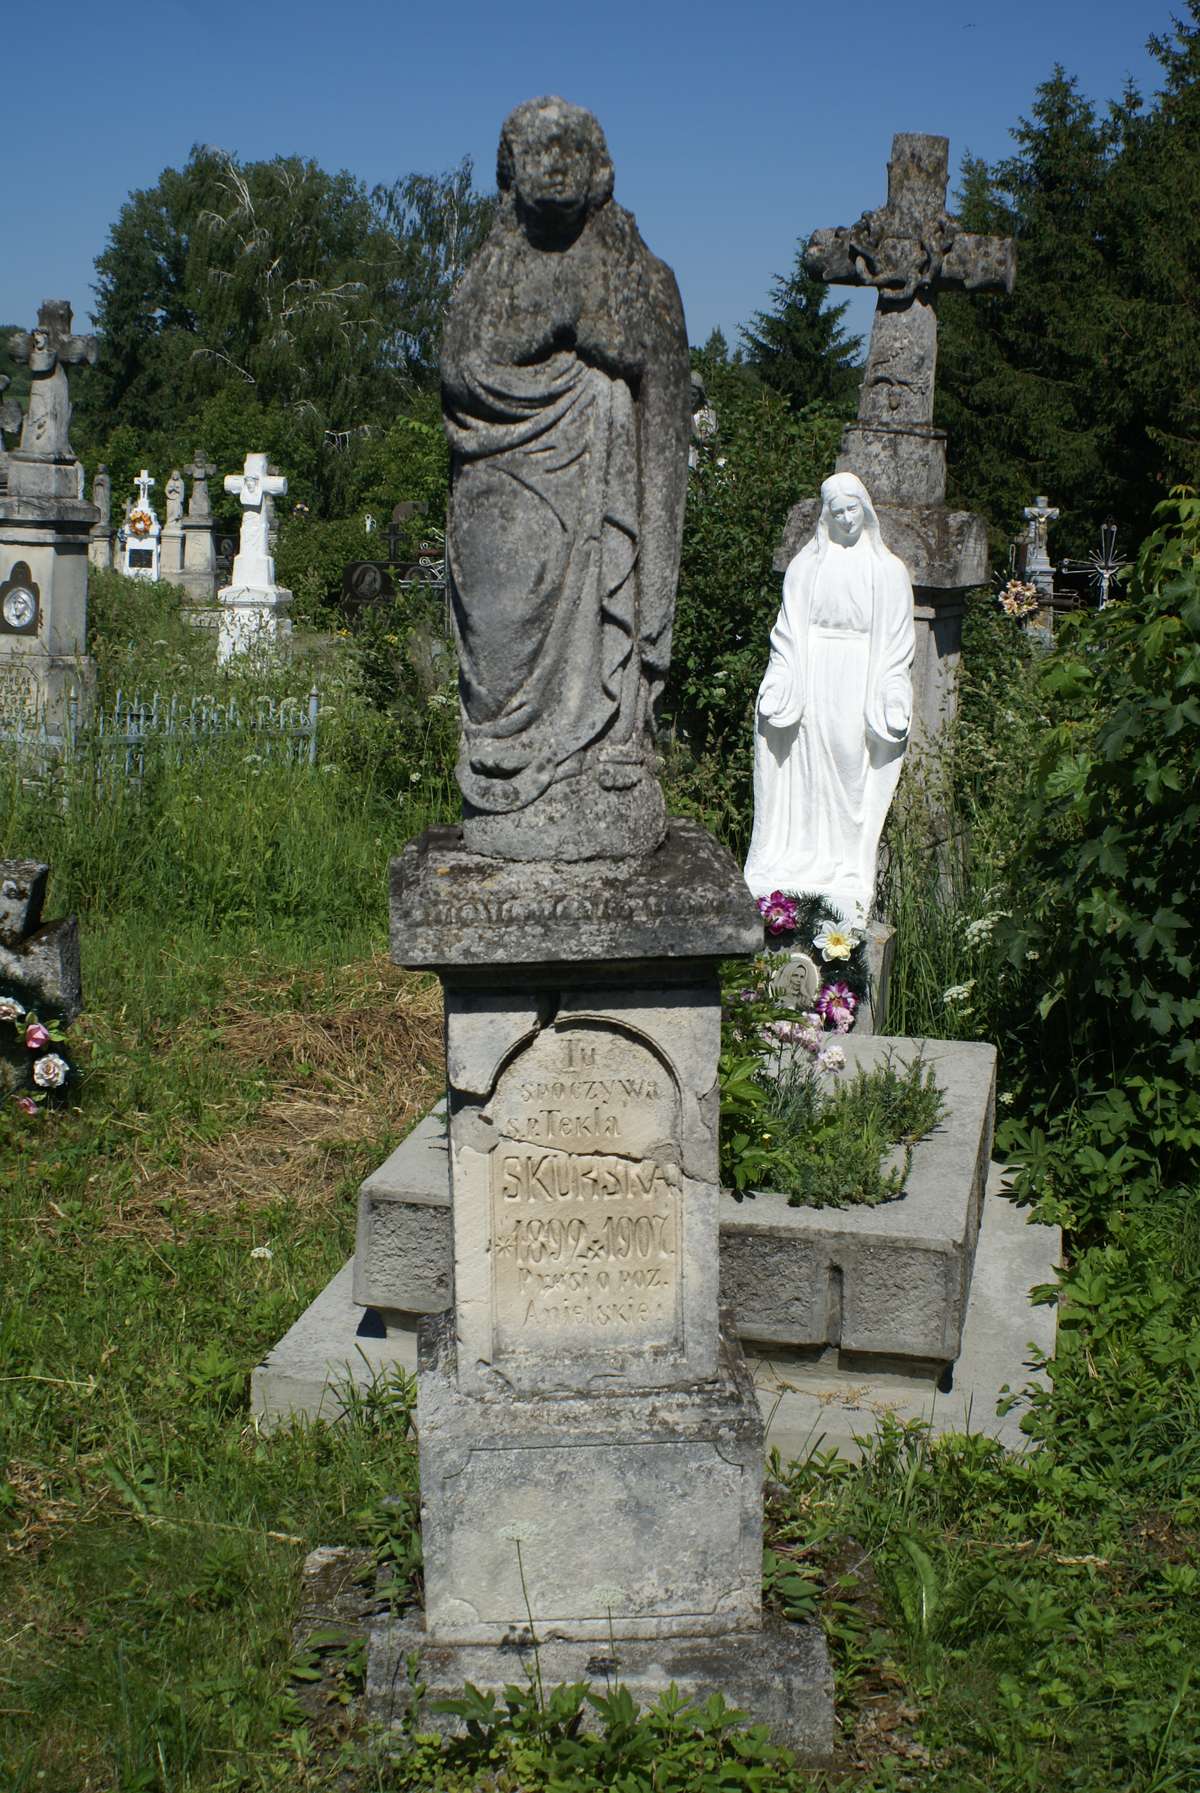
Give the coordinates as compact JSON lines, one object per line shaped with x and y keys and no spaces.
{"x":910,"y":250}
{"x":198,"y":573}
{"x":143,"y":534}
{"x":44,"y":535}
{"x":253,"y":614}
{"x":100,"y":539}
{"x":39,"y":963}
{"x":171,"y":540}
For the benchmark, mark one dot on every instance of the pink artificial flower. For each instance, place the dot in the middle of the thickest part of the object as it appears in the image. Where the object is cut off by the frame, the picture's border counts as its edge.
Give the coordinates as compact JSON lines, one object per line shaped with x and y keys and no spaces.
{"x":37,"y":1036}
{"x":836,"y":1005}
{"x":26,"y":1104}
{"x":779,"y":912}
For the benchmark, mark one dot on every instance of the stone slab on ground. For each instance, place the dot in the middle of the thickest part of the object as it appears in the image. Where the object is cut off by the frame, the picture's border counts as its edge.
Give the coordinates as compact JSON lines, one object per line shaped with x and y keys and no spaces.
{"x":779,"y":1676}
{"x":808,"y":1402}
{"x":886,"y":1281}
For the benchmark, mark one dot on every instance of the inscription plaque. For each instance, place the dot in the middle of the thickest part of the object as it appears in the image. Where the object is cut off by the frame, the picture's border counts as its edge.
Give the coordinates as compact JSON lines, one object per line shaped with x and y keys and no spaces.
{"x":585,"y":1197}
{"x":19,"y":695}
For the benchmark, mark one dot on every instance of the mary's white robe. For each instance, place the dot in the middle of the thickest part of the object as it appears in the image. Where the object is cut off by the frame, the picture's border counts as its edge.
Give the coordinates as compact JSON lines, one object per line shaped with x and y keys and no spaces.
{"x":831,"y":723}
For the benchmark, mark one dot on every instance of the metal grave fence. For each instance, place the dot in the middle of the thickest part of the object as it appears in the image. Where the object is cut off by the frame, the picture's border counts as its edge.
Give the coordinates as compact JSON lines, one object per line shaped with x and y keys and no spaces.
{"x":279,"y":728}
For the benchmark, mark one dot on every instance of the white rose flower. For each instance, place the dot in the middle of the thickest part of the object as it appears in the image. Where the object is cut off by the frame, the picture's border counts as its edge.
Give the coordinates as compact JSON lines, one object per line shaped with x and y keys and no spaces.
{"x":10,"y":1009}
{"x":50,"y":1072}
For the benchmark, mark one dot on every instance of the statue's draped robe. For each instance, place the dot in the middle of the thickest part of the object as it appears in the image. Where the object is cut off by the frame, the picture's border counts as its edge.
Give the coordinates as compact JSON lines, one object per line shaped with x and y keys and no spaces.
{"x":839,"y":689}
{"x":555,"y":441}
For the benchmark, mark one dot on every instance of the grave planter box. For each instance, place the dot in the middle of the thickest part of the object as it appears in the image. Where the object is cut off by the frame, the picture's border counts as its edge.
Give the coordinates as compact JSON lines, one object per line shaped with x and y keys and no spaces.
{"x":887,"y":1282}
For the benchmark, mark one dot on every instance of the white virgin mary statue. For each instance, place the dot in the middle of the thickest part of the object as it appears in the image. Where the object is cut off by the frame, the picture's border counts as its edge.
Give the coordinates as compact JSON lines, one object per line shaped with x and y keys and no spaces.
{"x":834,"y":710}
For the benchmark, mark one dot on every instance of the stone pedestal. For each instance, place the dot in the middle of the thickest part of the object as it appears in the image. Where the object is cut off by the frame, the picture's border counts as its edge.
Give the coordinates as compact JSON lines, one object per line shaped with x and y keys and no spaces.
{"x":44,"y":536}
{"x":591,"y":1445}
{"x":170,"y":555}
{"x":198,"y":570}
{"x":252,"y":621}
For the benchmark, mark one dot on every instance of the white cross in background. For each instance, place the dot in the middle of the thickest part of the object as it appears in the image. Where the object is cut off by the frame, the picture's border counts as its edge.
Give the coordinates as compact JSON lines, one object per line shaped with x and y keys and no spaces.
{"x":254,"y":569}
{"x":144,"y":483}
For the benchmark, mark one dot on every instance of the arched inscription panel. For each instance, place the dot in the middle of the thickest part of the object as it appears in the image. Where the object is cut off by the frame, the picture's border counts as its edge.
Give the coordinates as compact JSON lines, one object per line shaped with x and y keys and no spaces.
{"x":585,"y":1197}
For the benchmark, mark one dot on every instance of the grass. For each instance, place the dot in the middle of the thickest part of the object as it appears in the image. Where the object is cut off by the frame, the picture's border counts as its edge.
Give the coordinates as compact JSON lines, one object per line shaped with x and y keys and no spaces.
{"x":997,"y":1623}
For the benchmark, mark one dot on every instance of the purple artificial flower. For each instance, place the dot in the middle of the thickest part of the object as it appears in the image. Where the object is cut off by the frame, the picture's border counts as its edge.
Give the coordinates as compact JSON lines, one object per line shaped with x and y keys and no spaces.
{"x":836,"y":1005}
{"x":779,"y":912}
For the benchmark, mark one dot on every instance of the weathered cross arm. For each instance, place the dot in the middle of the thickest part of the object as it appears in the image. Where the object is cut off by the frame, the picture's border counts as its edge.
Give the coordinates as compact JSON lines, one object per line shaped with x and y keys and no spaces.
{"x":954,"y":261}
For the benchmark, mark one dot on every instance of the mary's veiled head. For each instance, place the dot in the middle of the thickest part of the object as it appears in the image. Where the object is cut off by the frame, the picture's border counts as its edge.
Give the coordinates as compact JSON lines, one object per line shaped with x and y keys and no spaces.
{"x":847,"y":513}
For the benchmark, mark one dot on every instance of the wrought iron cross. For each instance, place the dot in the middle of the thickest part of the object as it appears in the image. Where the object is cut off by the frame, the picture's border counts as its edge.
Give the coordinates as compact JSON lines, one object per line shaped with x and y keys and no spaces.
{"x":909,"y":250}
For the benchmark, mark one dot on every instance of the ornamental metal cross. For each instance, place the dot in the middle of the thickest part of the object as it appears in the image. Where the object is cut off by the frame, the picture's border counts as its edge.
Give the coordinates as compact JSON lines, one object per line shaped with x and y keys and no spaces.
{"x":1102,"y":565}
{"x":909,"y":250}
{"x":49,"y":348}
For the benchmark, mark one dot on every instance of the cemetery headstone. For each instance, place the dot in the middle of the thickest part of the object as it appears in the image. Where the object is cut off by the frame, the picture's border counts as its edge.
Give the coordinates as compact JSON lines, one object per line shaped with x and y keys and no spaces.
{"x":704,"y":421}
{"x":910,"y":250}
{"x":1039,"y":569}
{"x":171,"y":540}
{"x":582,"y":1369}
{"x":143,"y":534}
{"x":44,"y":535}
{"x":253,"y":608}
{"x":100,"y":539}
{"x":39,"y":965}
{"x":198,"y":573}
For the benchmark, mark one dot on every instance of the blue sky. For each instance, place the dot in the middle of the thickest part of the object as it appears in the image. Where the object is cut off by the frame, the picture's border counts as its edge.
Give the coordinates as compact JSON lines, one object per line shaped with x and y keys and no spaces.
{"x":733,"y":128}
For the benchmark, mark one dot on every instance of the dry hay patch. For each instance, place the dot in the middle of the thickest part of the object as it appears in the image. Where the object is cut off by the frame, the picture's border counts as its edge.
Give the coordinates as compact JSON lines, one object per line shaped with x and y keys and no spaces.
{"x":339,"y":1077}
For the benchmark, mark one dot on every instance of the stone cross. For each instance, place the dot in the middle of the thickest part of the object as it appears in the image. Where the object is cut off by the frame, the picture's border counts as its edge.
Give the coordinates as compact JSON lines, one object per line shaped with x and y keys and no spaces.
{"x":143,"y":482}
{"x":200,"y":472}
{"x":253,"y":569}
{"x":49,"y":348}
{"x":1038,"y":517}
{"x":909,"y":250}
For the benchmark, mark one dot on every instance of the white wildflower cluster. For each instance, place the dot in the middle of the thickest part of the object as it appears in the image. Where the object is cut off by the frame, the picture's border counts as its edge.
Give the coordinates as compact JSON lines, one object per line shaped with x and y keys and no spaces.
{"x":958,"y":993}
{"x":979,"y":930}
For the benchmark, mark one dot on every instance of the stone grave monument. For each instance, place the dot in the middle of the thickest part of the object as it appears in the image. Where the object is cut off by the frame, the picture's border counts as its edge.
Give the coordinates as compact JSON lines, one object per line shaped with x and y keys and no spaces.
{"x":198,"y":572}
{"x":253,"y":607}
{"x":1039,"y":569}
{"x":100,"y":538}
{"x":910,"y":250}
{"x":44,"y":534}
{"x":171,"y":540}
{"x":591,"y":1444}
{"x":39,"y":962}
{"x":143,"y":534}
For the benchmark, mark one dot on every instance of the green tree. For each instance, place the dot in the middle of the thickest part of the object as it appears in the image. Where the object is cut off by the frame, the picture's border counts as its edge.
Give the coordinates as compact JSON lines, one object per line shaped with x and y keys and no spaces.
{"x":799,"y":347}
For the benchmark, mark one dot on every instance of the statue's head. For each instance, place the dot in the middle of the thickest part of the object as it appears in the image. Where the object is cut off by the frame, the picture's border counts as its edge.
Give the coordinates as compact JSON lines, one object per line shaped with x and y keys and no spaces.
{"x":553,"y":161}
{"x":699,"y":393}
{"x":846,"y":509}
{"x":43,"y":357}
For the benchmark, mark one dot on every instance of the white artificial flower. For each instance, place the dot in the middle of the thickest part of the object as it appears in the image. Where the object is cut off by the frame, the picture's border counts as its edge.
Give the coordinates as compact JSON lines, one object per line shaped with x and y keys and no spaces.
{"x":50,"y":1072}
{"x":832,"y":1059}
{"x":834,"y":941}
{"x":10,"y":1009}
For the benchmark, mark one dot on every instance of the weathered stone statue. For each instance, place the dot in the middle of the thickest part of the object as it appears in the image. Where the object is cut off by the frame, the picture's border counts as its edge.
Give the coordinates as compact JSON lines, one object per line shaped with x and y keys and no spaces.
{"x":564,"y":390}
{"x":704,"y":420}
{"x":200,"y":472}
{"x":48,"y":348}
{"x":102,"y":497}
{"x":834,"y":710}
{"x":173,"y":492}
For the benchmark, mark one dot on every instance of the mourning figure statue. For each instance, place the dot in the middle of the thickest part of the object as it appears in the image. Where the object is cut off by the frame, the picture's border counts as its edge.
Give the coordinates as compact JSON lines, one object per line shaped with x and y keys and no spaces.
{"x":565,"y":398}
{"x":834,"y":710}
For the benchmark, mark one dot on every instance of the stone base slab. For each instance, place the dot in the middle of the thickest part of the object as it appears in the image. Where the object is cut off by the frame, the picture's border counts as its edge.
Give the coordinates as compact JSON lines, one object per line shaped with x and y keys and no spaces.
{"x":599,"y":1513}
{"x":779,"y":1676}
{"x":810,"y":1399}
